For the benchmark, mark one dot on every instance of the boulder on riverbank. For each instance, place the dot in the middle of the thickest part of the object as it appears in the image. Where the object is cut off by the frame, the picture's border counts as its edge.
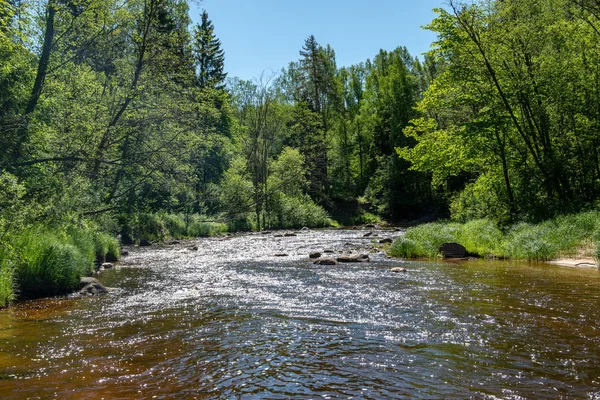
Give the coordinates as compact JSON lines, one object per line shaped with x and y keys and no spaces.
{"x":91,"y":286}
{"x":453,"y":250}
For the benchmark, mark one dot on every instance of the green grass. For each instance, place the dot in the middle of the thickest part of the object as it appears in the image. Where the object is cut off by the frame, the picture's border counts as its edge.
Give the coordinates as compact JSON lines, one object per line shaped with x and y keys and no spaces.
{"x":41,"y":262}
{"x":563,"y":236}
{"x":47,"y":265}
{"x":7,"y":276}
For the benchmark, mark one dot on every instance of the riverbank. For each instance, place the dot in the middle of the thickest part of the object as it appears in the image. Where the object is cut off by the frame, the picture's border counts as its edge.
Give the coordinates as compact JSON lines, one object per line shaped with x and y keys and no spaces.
{"x":560,"y":240}
{"x":42,"y":262}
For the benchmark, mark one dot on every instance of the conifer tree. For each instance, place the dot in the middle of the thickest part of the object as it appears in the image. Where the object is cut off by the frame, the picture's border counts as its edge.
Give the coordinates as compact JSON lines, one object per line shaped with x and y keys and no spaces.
{"x":209,"y":56}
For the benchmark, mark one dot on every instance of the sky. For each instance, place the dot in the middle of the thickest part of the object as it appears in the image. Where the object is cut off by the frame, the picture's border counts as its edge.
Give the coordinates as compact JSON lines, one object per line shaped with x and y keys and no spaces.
{"x":266,"y":35}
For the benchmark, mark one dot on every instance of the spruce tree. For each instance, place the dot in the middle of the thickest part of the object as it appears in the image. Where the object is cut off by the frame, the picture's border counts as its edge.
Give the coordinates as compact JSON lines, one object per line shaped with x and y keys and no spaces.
{"x":209,"y":57}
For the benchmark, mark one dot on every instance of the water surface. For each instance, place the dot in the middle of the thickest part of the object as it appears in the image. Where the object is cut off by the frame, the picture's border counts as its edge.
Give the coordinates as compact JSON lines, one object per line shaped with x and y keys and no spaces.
{"x":232,"y":320}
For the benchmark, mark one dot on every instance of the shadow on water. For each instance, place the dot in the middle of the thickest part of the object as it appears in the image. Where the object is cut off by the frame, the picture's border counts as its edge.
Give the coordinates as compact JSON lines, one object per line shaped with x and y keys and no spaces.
{"x":232,"y":320}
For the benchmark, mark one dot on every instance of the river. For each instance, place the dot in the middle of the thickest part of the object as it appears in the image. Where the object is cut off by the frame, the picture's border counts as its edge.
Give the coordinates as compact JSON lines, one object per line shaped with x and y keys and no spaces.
{"x":233,"y":321}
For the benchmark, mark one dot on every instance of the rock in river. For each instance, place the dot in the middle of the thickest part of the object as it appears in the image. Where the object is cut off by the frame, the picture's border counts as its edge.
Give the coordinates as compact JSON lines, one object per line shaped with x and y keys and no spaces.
{"x":453,"y":250}
{"x":398,"y":270}
{"x":91,"y":286}
{"x":354,"y":258}
{"x":326,"y":261}
{"x":314,"y":254}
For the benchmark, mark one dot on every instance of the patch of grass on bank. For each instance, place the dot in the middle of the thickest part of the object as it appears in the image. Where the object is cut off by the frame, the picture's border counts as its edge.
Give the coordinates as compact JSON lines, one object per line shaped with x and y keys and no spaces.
{"x":563,"y":236}
{"x":40,"y":261}
{"x":162,"y":226}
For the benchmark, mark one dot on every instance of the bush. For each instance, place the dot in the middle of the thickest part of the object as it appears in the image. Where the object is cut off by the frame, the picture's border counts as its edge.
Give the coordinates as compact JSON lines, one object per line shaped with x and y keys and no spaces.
{"x":297,"y":212}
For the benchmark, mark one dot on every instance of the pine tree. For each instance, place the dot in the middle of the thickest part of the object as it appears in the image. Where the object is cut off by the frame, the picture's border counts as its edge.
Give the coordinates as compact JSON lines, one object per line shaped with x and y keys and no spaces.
{"x":209,"y":57}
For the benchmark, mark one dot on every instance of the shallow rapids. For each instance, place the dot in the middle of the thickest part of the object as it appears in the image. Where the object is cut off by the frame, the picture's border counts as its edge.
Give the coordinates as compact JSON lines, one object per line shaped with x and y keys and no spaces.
{"x":233,"y":320}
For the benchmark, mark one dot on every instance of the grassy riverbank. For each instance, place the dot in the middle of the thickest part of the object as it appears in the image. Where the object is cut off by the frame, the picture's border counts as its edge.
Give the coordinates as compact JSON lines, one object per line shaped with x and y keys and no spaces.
{"x":41,"y":261}
{"x":564,"y":236}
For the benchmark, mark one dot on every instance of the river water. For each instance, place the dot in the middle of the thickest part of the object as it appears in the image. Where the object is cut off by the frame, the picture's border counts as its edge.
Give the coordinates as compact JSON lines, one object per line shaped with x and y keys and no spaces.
{"x":232,"y":320}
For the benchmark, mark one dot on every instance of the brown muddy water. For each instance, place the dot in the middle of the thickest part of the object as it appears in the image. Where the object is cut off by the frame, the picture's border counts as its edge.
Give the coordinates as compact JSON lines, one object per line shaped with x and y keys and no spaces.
{"x":232,"y":321}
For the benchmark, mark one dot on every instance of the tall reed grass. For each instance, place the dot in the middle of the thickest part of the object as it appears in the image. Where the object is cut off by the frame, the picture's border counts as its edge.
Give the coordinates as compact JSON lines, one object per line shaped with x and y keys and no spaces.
{"x":41,"y":262}
{"x":563,"y":236}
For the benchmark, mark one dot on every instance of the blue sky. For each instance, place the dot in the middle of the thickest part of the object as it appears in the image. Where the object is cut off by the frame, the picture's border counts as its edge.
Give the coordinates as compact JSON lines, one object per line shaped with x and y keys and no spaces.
{"x":262,"y":35}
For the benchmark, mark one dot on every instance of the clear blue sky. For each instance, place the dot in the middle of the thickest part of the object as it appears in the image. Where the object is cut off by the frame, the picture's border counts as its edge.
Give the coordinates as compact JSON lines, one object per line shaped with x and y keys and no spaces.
{"x":259,"y":35}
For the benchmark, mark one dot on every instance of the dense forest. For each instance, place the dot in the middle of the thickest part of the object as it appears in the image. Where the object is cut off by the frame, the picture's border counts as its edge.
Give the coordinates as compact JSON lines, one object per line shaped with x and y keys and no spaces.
{"x":118,"y":118}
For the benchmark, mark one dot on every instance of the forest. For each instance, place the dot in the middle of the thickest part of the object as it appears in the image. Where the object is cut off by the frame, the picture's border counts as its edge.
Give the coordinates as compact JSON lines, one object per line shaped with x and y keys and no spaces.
{"x":119,"y":124}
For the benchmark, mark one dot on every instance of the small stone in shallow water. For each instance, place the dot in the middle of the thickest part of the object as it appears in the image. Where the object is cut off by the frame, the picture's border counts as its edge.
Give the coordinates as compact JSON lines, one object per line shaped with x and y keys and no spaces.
{"x":107,"y":266}
{"x":354,"y":258}
{"x":326,"y":261}
{"x":290,"y":235}
{"x":314,"y":254}
{"x":193,"y":248}
{"x":368,"y":234}
{"x":398,"y":270}
{"x":281,"y":254}
{"x":385,"y":241}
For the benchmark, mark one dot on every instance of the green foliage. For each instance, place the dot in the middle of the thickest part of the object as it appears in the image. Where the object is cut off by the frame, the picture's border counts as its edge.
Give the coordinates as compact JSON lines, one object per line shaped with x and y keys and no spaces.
{"x":297,"y":212}
{"x":566,"y":235}
{"x":425,"y":240}
{"x":163,"y":226}
{"x":7,"y":274}
{"x":48,"y":265}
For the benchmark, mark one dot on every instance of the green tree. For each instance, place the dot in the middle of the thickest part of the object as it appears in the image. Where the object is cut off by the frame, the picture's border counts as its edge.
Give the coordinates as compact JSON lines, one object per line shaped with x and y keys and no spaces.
{"x":208,"y":55}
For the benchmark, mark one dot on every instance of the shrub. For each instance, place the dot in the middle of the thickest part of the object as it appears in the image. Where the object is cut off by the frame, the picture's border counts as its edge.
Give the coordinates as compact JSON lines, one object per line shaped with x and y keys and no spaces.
{"x":297,"y":212}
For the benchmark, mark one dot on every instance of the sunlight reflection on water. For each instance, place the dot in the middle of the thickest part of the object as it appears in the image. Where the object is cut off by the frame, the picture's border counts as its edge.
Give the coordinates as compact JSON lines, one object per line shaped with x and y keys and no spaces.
{"x":232,"y":320}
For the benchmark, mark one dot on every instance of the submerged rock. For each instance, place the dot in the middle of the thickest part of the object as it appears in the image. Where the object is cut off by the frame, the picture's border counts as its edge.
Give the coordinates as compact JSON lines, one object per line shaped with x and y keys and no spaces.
{"x":281,"y":254}
{"x":368,"y":234}
{"x":290,"y":235}
{"x":314,"y":254}
{"x":453,"y":250}
{"x":326,"y":261}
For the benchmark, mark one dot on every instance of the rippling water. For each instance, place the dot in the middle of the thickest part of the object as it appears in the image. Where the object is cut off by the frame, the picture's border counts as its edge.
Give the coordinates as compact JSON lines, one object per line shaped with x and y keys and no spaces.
{"x":232,"y":320}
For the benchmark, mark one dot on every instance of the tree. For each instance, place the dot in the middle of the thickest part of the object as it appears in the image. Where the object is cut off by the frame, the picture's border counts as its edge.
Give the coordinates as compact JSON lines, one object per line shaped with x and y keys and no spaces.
{"x":208,"y":55}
